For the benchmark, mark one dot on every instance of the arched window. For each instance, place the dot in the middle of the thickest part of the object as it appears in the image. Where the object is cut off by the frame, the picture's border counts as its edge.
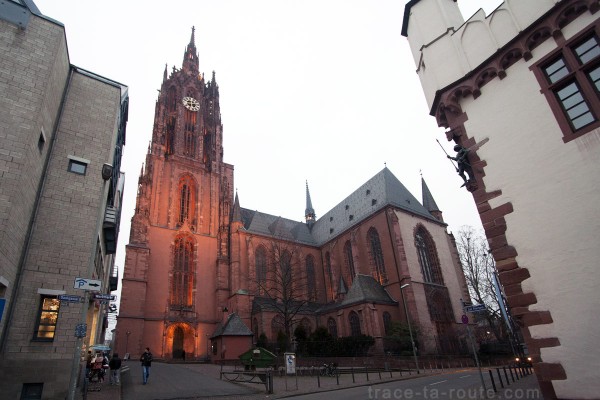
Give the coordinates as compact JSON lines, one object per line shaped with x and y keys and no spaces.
{"x":428,"y":259}
{"x":306,"y":325}
{"x":171,"y":99}
{"x":255,"y":329}
{"x":187,"y":197}
{"x":377,"y":255}
{"x":189,"y":133}
{"x":354,"y":324}
{"x":387,"y":322}
{"x":261,"y":269}
{"x":182,"y":283}
{"x":349,"y":260}
{"x":329,"y":274}
{"x":332,"y":327}
{"x":311,"y":282}
{"x":170,"y":144}
{"x":277,"y":325}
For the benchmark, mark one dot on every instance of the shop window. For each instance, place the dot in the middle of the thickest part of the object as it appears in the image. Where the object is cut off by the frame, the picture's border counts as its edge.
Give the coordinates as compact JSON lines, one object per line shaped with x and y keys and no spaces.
{"x":47,"y":318}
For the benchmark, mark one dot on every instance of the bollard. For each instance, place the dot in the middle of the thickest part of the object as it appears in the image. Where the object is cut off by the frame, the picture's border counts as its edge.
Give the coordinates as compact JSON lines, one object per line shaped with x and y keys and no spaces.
{"x":337,"y":378}
{"x":352,"y":371}
{"x":500,"y":378}
{"x":493,"y":383}
{"x":379,"y":374}
{"x":506,"y":375}
{"x":319,"y":380}
{"x":511,"y":373}
{"x":367,"y":373}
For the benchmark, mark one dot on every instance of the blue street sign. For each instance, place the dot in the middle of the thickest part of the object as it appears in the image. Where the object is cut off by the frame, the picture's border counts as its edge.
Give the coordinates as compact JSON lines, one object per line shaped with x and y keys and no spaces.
{"x":2,"y":303}
{"x":476,"y":308}
{"x":70,"y":298}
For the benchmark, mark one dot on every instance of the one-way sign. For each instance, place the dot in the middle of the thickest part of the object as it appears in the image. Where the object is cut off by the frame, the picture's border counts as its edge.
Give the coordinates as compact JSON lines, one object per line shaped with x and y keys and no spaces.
{"x":88,"y":284}
{"x":475,"y":308}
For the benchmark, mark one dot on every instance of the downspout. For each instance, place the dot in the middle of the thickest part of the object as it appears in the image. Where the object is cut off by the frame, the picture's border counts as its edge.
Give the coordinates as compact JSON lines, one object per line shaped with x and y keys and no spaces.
{"x":36,"y":207}
{"x":388,"y":217}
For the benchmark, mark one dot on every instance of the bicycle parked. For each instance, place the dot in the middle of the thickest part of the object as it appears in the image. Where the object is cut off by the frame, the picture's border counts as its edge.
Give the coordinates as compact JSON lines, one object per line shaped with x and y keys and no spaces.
{"x":329,"y":369}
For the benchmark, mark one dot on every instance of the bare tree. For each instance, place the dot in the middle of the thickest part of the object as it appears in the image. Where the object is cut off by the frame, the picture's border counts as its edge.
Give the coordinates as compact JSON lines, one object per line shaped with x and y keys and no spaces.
{"x":479,"y":269}
{"x":284,"y":283}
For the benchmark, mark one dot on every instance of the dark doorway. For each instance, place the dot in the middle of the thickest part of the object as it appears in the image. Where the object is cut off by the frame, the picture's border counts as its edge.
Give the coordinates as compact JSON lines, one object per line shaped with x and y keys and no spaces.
{"x":178,"y":343}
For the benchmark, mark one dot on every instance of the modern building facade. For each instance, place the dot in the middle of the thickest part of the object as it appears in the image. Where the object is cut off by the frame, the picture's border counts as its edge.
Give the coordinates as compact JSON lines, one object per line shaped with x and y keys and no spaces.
{"x":520,"y":88}
{"x":195,"y":255}
{"x":62,"y":131}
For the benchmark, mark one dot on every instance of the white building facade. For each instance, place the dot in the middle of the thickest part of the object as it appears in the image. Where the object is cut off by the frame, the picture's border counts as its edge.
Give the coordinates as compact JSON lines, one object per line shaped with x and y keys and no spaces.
{"x":520,"y":88}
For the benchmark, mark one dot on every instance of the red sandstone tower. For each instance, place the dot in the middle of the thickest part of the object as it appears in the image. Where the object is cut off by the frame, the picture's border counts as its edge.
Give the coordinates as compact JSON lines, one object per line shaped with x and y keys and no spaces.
{"x":183,"y":204}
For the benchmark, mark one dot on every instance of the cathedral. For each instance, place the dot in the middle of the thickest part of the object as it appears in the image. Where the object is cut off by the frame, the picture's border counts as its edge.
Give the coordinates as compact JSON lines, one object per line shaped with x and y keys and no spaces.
{"x":198,"y":263}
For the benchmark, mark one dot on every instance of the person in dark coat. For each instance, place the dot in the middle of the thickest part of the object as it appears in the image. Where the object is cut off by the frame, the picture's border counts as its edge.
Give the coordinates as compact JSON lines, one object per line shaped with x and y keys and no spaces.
{"x":146,"y":360}
{"x":115,"y":369}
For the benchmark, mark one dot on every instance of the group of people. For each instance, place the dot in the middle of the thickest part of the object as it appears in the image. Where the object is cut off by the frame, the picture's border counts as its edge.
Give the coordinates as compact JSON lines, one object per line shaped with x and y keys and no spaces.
{"x":97,"y":365}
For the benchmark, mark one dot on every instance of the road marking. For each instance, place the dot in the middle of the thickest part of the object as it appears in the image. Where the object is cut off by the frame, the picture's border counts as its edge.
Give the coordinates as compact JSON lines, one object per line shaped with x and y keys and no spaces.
{"x":431,"y":384}
{"x":465,"y":376}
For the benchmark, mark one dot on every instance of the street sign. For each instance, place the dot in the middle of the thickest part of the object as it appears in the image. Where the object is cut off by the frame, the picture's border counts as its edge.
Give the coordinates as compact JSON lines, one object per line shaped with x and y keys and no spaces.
{"x":88,"y":284}
{"x":70,"y":298}
{"x":2,"y":303}
{"x":98,"y":296}
{"x":475,"y":308}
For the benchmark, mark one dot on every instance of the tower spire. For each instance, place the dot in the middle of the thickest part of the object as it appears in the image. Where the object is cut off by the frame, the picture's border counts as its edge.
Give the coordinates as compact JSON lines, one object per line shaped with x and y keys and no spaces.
{"x":309,"y":213}
{"x":429,"y":202}
{"x":190,"y":58}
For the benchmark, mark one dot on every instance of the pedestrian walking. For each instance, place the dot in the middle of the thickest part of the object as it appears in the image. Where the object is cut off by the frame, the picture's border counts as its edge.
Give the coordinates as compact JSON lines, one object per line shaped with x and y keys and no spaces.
{"x":115,"y":369}
{"x":88,"y":364}
{"x":146,"y":360}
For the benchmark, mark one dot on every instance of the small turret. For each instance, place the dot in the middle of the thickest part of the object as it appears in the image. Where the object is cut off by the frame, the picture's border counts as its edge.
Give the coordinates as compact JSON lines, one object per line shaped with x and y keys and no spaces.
{"x":309,"y":213}
{"x":429,"y":202}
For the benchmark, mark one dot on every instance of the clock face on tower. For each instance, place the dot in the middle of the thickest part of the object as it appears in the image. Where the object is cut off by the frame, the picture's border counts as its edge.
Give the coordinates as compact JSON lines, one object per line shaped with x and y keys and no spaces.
{"x":191,"y":104}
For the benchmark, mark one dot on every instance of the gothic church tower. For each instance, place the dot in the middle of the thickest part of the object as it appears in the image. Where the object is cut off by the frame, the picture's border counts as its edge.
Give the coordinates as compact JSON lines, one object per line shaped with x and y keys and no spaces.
{"x":185,"y":194}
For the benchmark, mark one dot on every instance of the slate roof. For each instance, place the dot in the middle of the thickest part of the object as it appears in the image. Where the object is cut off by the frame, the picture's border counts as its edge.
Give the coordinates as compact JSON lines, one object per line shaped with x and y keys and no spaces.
{"x":381,"y":190}
{"x":233,"y":326}
{"x":365,"y":289}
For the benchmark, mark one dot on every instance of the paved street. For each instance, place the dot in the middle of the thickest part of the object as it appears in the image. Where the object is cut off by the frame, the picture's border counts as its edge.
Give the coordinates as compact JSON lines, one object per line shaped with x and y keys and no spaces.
{"x":201,"y":381}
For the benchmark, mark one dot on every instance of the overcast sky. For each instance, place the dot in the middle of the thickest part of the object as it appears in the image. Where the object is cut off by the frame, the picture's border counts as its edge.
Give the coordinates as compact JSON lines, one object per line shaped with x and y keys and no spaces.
{"x":323,"y":91}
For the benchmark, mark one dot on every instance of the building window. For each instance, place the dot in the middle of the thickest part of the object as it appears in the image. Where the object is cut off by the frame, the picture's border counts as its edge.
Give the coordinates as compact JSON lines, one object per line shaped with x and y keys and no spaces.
{"x":387,"y":322}
{"x":183,"y":273}
{"x":354,"y":324}
{"x":376,"y":256}
{"x":47,"y":318}
{"x":187,"y":200}
{"x":41,"y":141}
{"x":349,"y":259}
{"x":311,"y":282}
{"x":329,"y":274}
{"x":570,"y":80}
{"x":32,"y":391}
{"x":428,"y":259}
{"x":261,"y":269}
{"x":332,"y":327}
{"x":77,"y":167}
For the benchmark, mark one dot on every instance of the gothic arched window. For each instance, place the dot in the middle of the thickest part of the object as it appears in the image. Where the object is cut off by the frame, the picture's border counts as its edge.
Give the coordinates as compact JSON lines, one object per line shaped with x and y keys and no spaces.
{"x":332,"y":327}
{"x":311,"y":282}
{"x":377,"y":255}
{"x":387,"y":322}
{"x":189,"y":133}
{"x":354,"y":324}
{"x":329,"y":274}
{"x":277,"y":325}
{"x":261,"y":268}
{"x":187,"y":194}
{"x":428,"y":259}
{"x":182,"y":283}
{"x":171,"y":99}
{"x":349,"y":259}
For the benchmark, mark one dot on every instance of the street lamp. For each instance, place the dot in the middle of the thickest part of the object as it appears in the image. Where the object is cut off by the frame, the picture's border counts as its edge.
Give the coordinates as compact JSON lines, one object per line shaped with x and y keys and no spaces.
{"x":409,"y":327}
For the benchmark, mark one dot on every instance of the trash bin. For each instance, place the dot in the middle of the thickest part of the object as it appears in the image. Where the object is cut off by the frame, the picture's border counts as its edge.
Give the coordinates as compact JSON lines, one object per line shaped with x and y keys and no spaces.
{"x":258,"y":357}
